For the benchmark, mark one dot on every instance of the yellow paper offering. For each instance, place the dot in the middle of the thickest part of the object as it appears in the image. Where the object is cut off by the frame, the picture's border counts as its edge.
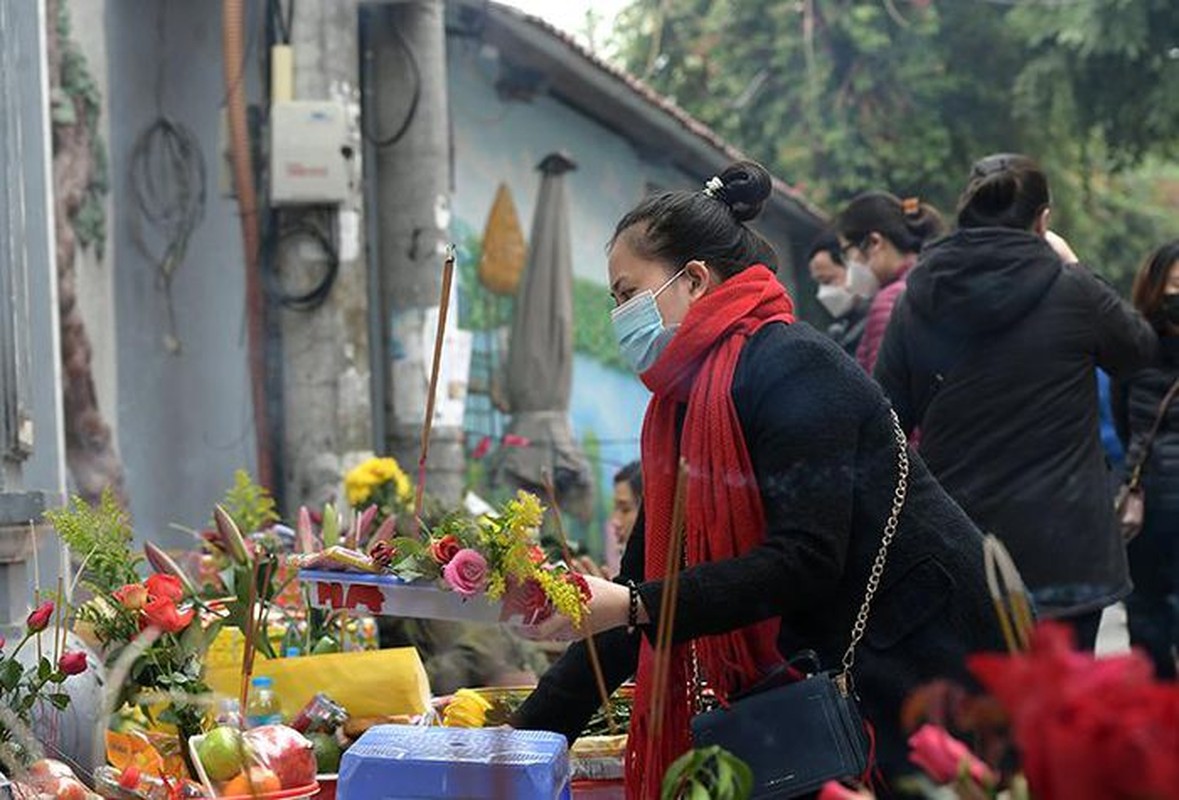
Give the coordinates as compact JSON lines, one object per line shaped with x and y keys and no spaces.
{"x":369,"y":683}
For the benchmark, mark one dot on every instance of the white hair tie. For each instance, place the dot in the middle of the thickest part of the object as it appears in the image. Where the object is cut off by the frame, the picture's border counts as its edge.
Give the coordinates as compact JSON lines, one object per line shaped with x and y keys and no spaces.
{"x":713,"y":185}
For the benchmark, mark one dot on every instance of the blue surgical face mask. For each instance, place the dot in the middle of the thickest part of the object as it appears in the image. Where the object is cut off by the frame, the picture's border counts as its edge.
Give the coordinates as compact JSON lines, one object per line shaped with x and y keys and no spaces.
{"x":640,"y":329}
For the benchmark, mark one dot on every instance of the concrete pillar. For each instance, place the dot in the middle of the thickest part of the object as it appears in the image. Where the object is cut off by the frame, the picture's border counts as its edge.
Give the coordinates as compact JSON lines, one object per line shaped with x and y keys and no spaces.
{"x":414,"y":221}
{"x":326,"y":372}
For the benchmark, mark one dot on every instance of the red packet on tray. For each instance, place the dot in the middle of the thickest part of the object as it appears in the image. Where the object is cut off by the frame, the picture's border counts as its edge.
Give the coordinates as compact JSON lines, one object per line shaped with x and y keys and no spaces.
{"x":391,"y":596}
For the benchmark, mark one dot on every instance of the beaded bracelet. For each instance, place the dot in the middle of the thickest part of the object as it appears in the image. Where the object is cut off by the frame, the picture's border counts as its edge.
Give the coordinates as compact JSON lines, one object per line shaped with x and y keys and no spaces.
{"x":632,"y":617}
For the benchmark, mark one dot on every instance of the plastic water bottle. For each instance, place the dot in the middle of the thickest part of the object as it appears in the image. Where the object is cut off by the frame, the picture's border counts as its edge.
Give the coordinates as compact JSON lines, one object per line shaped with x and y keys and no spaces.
{"x":263,"y":708}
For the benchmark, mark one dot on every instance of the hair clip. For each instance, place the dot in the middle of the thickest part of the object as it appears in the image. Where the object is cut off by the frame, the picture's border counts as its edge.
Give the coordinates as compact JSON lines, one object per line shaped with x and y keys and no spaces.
{"x":911,"y":206}
{"x":712,"y":186}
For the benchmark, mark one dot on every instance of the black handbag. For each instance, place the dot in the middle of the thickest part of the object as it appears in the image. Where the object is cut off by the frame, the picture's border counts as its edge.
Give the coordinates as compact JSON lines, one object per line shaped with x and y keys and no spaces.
{"x":798,"y":736}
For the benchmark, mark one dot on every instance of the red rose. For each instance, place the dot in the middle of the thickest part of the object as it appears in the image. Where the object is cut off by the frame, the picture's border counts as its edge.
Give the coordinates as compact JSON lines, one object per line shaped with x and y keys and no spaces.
{"x":527,"y":600}
{"x":132,"y":596}
{"x":168,"y":586}
{"x":72,"y":663}
{"x":39,"y":617}
{"x":445,"y":549}
{"x":161,"y":612}
{"x":583,"y":587}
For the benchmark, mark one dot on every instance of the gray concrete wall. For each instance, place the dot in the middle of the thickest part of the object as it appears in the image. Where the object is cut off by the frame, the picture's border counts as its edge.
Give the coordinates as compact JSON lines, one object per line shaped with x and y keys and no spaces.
{"x":184,"y":420}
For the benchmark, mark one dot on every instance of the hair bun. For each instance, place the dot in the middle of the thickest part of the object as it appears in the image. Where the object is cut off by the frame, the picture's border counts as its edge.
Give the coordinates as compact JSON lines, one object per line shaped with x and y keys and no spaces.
{"x":747,"y":186}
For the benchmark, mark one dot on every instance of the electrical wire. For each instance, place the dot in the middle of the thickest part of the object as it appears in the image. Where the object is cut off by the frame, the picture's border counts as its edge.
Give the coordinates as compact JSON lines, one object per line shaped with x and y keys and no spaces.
{"x":415,"y":98}
{"x":168,"y":187}
{"x":315,"y":297}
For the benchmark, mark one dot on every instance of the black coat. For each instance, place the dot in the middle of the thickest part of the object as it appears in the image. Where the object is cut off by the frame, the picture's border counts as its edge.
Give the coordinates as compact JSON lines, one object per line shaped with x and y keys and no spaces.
{"x":822,"y":445}
{"x":1136,"y":403}
{"x":848,"y":330}
{"x":992,"y":353}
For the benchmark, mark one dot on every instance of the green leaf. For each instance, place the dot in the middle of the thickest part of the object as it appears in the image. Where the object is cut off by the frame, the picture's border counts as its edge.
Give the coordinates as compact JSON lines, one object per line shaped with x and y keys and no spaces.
{"x":60,"y":700}
{"x":698,"y":792}
{"x":10,"y":673}
{"x":408,"y":546}
{"x":44,"y":669}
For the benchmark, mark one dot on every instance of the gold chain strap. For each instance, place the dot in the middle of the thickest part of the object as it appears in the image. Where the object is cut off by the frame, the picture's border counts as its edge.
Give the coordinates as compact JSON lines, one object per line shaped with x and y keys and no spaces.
{"x":890,"y":529}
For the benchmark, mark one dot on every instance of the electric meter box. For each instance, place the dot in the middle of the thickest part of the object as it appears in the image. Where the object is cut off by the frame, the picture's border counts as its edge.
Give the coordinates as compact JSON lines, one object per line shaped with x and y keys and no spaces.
{"x":309,"y":153}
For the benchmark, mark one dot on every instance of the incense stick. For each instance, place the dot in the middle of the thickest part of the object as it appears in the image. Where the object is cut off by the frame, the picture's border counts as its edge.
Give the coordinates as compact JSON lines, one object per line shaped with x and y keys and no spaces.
{"x":591,"y":646}
{"x":431,"y":399}
{"x":667,"y":608}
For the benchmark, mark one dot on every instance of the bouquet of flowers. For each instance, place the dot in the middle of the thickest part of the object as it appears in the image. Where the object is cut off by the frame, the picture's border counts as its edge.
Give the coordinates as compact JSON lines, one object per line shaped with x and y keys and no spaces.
{"x":152,"y":630}
{"x":496,"y":555}
{"x":1056,"y":723}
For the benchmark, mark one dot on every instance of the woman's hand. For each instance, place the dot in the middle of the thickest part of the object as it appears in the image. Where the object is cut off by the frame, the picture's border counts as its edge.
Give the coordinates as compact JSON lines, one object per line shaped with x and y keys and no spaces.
{"x":608,"y":608}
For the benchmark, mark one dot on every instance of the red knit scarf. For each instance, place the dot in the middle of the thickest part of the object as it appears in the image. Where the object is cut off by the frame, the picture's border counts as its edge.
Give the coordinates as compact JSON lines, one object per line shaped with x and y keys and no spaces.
{"x":724,"y":511}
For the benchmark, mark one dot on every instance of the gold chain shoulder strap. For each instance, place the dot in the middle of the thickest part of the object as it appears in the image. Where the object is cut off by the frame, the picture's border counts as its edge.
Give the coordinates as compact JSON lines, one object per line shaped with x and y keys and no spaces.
{"x":843,"y":680}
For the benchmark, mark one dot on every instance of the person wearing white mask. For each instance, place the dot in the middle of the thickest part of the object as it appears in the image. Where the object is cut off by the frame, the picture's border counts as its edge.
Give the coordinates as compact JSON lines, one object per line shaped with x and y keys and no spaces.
{"x":848,"y":310}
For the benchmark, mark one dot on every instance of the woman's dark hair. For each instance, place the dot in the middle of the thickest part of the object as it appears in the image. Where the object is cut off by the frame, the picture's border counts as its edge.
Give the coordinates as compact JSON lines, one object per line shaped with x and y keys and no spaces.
{"x":906,"y":223}
{"x":827,"y":243}
{"x":708,"y":225}
{"x":1006,"y":190}
{"x":1150,"y":284}
{"x":632,"y":475}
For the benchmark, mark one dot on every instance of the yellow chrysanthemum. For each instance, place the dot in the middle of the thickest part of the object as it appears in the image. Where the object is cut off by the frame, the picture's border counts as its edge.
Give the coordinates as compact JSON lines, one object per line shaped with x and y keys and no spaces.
{"x":525,"y":512}
{"x":363,"y":480}
{"x":563,"y":595}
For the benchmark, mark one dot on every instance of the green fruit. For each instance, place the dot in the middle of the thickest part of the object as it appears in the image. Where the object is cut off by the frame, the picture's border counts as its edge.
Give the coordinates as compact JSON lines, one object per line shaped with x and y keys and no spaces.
{"x":222,"y":753}
{"x":325,"y":645}
{"x":327,"y":753}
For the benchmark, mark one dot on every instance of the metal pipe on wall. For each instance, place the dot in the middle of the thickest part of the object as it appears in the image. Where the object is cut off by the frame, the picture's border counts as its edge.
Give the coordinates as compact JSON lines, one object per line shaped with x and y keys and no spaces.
{"x":233,"y":48}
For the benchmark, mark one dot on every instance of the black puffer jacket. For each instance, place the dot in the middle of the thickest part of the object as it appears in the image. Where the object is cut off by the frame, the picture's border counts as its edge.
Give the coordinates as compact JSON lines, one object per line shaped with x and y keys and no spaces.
{"x":993,"y":353}
{"x":1136,"y":404}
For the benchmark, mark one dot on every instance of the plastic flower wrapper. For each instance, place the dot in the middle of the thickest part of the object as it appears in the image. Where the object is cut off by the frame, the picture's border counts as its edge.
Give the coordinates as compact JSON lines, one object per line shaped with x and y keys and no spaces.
{"x":260,"y":761}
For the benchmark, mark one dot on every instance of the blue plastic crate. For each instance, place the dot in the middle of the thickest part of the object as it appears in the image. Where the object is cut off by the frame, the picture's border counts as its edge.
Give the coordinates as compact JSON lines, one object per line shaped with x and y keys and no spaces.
{"x":405,"y":762}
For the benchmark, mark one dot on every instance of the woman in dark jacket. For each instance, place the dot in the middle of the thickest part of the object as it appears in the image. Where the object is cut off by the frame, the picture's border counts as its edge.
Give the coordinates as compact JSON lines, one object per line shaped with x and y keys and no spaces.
{"x":1153,"y":607}
{"x":794,"y":462}
{"x":992,"y":353}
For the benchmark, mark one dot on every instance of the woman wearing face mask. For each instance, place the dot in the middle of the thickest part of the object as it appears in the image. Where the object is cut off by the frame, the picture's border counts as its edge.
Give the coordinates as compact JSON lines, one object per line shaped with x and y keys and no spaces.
{"x":793,"y":464}
{"x":849,"y":312}
{"x":881,"y":236}
{"x":1153,"y":607}
{"x":993,"y":352}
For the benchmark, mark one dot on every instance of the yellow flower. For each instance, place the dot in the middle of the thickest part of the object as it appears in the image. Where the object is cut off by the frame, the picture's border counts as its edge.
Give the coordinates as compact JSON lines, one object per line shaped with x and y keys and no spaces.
{"x":563,"y":595}
{"x":525,"y":512}
{"x":365,"y":478}
{"x":468,"y":709}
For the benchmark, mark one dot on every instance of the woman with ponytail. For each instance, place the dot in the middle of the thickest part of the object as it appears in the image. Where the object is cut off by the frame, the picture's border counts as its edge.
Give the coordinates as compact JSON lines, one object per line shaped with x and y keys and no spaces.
{"x":881,"y":236}
{"x":993,"y":353}
{"x":792,"y":458}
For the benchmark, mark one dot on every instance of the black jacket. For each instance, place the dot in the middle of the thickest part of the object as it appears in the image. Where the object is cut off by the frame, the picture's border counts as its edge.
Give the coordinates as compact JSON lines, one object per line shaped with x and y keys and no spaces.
{"x":992,"y":353}
{"x":822,"y":446}
{"x":1136,"y":404}
{"x":849,"y":329}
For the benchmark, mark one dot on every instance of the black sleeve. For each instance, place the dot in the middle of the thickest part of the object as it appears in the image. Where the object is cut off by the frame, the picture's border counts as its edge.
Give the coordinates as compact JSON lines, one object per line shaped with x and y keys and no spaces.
{"x":801,"y":413}
{"x":1125,"y":341}
{"x":892,"y":369}
{"x":567,"y":696}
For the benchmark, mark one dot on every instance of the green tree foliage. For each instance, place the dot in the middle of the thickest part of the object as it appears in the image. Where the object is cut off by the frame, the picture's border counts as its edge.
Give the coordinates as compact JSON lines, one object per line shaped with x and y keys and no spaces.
{"x":840,"y":96}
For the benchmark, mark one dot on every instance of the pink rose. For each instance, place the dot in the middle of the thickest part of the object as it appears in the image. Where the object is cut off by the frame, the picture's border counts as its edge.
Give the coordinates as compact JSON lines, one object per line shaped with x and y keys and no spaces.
{"x":833,"y":790}
{"x":466,"y":572}
{"x":943,"y":757}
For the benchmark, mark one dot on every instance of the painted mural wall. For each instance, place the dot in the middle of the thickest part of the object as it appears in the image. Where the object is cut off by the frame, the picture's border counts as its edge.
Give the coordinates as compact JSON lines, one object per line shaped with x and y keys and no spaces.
{"x":496,"y":141}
